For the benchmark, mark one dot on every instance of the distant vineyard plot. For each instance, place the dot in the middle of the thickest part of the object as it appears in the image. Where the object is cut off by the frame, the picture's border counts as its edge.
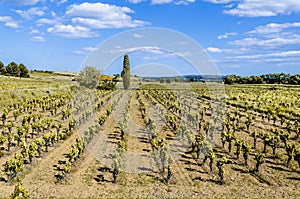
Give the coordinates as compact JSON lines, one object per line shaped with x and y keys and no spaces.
{"x":162,"y":140}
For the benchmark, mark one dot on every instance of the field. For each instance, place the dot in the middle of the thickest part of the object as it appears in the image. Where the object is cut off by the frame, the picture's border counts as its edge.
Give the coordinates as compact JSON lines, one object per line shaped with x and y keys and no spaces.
{"x":177,"y":140}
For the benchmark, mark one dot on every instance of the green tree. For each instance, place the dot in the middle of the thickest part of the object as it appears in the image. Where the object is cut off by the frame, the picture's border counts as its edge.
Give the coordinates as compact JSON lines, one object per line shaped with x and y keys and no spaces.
{"x":126,"y":72}
{"x":89,"y":77}
{"x":2,"y":69}
{"x":232,"y":79}
{"x":23,"y":71}
{"x":161,"y":80}
{"x":13,"y":69}
{"x":294,"y":79}
{"x":277,"y":78}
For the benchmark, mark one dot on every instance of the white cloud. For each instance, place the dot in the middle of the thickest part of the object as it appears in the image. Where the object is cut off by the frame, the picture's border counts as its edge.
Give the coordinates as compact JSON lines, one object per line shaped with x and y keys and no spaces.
{"x":135,"y":35}
{"x":88,"y":16}
{"x":62,"y":2}
{"x":37,"y":11}
{"x":149,"y":49}
{"x":102,"y":23}
{"x":231,"y":51}
{"x":12,"y":24}
{"x":90,"y":49}
{"x":220,"y":1}
{"x":273,"y":42}
{"x":59,"y":2}
{"x":99,"y":15}
{"x":184,"y":2}
{"x":70,"y":31}
{"x":179,"y":54}
{"x":22,"y":2}
{"x":53,"y":14}
{"x":5,"y":18}
{"x":274,"y":28}
{"x":160,"y":1}
{"x":270,"y":37}
{"x":270,"y":55}
{"x":250,"y":13}
{"x":287,"y":53}
{"x":38,"y":39}
{"x":33,"y":31}
{"x":157,"y":52}
{"x":9,"y":22}
{"x":285,"y":58}
{"x":246,"y":42}
{"x":214,"y":50}
{"x":46,"y":21}
{"x":135,"y":1}
{"x":78,"y":52}
{"x":153,"y":2}
{"x":226,"y":35}
{"x":85,"y":50}
{"x":265,"y":8}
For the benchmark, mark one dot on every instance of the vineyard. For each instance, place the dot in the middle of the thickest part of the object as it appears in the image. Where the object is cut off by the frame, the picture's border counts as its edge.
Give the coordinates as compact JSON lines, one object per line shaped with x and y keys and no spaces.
{"x":190,"y":140}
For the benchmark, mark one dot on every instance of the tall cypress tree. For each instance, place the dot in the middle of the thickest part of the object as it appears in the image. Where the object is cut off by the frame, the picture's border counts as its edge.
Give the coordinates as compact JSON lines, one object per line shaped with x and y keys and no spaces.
{"x":126,"y":73}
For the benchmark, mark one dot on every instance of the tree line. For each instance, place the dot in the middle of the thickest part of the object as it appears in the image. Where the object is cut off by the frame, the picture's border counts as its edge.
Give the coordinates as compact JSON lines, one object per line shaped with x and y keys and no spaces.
{"x":13,"y":69}
{"x":276,"y":78}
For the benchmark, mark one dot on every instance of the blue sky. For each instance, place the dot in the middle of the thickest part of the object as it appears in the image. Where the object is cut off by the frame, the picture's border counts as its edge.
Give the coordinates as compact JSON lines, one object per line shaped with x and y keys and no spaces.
{"x":244,"y":37}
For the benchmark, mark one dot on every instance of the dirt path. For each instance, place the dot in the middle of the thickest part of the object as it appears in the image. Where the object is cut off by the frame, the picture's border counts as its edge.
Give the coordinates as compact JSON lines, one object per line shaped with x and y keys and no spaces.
{"x":137,"y":157}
